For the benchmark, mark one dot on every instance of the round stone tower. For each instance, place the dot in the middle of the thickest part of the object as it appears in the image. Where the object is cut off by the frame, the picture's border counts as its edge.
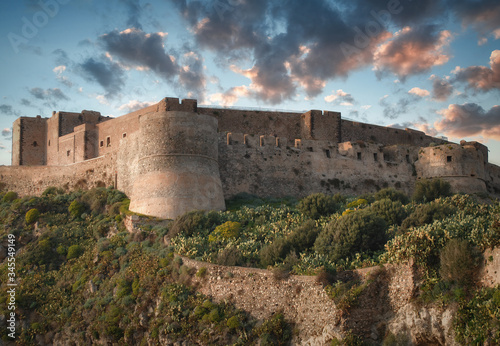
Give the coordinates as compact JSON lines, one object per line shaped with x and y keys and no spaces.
{"x":178,"y":168}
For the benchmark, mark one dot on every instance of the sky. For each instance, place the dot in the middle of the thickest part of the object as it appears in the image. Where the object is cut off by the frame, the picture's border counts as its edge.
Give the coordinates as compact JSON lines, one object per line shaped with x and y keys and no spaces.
{"x":431,"y":65}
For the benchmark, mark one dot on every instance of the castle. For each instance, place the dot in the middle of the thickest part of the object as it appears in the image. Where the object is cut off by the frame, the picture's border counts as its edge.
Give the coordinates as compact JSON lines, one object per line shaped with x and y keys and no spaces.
{"x":174,"y":157}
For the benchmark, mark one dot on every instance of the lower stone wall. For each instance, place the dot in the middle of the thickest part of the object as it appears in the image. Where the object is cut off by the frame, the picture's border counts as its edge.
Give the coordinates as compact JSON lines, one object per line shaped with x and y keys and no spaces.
{"x":33,"y":180}
{"x":304,"y":301}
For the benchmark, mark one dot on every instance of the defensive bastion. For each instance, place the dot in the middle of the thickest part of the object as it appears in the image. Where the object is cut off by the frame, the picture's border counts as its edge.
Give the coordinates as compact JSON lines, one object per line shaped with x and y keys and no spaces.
{"x":174,"y":156}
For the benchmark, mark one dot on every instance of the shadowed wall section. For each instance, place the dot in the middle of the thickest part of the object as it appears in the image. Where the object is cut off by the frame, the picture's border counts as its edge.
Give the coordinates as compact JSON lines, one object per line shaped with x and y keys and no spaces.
{"x":178,"y":168}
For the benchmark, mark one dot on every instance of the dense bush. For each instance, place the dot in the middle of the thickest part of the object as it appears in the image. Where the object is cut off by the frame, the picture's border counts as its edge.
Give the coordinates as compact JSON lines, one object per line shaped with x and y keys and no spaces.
{"x":274,"y":252}
{"x":426,"y":214}
{"x":360,"y":202}
{"x":193,"y":222}
{"x":226,"y":231}
{"x":457,"y":263}
{"x":53,"y":191}
{"x":74,"y":251}
{"x":392,"y":212}
{"x":230,"y":256}
{"x":76,"y":209}
{"x":392,"y":194}
{"x":427,"y":190}
{"x":32,"y":216}
{"x":303,"y":237}
{"x":359,"y":231}
{"x":318,"y":204}
{"x":9,"y":196}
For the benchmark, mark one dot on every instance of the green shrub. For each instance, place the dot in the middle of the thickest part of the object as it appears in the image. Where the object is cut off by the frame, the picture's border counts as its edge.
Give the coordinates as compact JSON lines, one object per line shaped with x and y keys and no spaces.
{"x":53,"y":191}
{"x":274,"y":252}
{"x":76,"y":209}
{"x":477,"y":319}
{"x":426,"y":214}
{"x":457,"y":263}
{"x":356,"y":232}
{"x":32,"y":216}
{"x":202,"y":272}
{"x":226,"y":231}
{"x":96,"y":199}
{"x":233,"y":322}
{"x":427,"y":190}
{"x":357,"y":203}
{"x":317,"y":205}
{"x":392,"y":194}
{"x":230,"y":256}
{"x":193,"y":222}
{"x":392,"y":212}
{"x":9,"y":196}
{"x":75,"y":251}
{"x":275,"y":331}
{"x":303,"y":237}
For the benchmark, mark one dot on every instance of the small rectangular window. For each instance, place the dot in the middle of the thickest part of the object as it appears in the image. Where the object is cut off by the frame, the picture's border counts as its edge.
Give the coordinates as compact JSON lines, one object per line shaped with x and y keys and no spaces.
{"x":68,"y":152}
{"x":101,"y":144}
{"x":108,"y":141}
{"x":408,"y":158}
{"x":375,"y":157}
{"x":448,"y":158}
{"x":359,"y":156}
{"x":124,"y":135}
{"x":327,"y":152}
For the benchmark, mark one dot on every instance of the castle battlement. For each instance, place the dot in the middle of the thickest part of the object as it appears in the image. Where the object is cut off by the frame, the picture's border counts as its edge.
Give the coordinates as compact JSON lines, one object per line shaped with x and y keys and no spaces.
{"x":174,"y":156}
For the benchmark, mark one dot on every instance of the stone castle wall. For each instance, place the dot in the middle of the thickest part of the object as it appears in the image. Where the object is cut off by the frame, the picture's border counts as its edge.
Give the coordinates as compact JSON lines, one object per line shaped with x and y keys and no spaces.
{"x":175,"y":156}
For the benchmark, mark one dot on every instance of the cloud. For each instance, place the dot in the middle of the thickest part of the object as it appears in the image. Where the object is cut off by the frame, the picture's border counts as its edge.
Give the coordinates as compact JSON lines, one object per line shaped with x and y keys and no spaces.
{"x":105,"y":72}
{"x":140,"y":50}
{"x":291,"y":44}
{"x":469,"y":120}
{"x":419,"y":92}
{"x":412,"y":51}
{"x":54,"y":94}
{"x":8,"y":110}
{"x":441,"y":88}
{"x":134,"y":11}
{"x":134,"y":105}
{"x":483,"y":16}
{"x":230,"y":97}
{"x":340,"y":97}
{"x":192,"y":76}
{"x":481,"y":78}
{"x":59,"y":70}
{"x":26,"y":102}
{"x":7,"y":132}
{"x":394,"y":110}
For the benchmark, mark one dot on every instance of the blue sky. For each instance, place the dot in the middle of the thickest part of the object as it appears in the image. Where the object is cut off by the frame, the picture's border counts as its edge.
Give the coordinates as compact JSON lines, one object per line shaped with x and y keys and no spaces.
{"x":429,"y":65}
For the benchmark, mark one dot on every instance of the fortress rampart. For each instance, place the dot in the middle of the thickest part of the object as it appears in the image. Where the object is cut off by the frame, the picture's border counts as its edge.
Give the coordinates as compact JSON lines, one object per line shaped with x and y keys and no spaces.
{"x":174,"y":156}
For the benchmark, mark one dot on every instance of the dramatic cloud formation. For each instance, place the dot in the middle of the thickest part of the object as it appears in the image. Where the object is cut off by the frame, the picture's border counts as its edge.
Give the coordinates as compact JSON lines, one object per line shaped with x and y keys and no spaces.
{"x":441,"y":88}
{"x":394,"y":110}
{"x":54,"y":94}
{"x":468,"y":120}
{"x":105,"y":72}
{"x":481,"y":78}
{"x":419,"y":92}
{"x":340,"y":97}
{"x":413,"y":51}
{"x":293,"y":44}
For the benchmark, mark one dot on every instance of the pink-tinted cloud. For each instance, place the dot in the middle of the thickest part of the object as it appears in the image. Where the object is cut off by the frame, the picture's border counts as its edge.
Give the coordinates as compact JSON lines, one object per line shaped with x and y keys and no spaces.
{"x":419,"y":92}
{"x":468,"y":120}
{"x":412,"y":51}
{"x":481,"y":78}
{"x":441,"y":88}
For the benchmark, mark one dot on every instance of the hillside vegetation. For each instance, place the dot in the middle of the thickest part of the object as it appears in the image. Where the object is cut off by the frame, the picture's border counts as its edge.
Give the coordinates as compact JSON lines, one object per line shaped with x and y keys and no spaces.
{"x":83,"y":278}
